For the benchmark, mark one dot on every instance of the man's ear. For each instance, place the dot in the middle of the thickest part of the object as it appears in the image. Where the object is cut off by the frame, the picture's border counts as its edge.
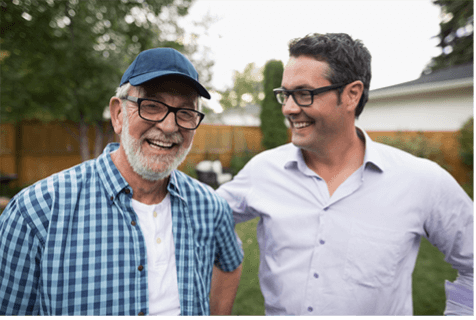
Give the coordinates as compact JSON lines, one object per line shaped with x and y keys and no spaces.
{"x":352,"y":93}
{"x":115,"y":108}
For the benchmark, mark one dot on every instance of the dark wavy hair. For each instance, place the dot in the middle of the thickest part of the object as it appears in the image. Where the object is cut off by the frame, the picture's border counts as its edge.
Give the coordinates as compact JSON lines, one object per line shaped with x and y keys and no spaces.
{"x":349,"y":60}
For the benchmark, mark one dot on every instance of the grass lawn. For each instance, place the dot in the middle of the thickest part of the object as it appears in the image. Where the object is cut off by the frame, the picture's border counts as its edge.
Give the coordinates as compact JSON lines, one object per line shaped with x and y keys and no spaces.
{"x":428,"y":278}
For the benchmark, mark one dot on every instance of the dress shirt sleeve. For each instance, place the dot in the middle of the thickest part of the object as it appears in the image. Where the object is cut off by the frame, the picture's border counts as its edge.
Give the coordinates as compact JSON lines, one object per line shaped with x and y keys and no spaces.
{"x":229,"y":253}
{"x":449,"y":227}
{"x":235,"y":193}
{"x":20,"y":255}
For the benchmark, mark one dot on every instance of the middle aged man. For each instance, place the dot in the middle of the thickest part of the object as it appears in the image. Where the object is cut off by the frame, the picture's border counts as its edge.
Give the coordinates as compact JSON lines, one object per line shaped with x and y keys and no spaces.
{"x":341,"y":216}
{"x":126,"y":233}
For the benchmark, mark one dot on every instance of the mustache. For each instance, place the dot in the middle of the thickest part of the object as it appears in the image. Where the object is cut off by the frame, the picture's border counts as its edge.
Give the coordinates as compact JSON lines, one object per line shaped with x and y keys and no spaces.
{"x":175,"y":137}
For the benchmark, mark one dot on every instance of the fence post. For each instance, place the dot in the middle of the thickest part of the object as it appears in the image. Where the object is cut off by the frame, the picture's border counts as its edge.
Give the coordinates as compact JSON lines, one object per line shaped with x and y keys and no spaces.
{"x":17,"y":147}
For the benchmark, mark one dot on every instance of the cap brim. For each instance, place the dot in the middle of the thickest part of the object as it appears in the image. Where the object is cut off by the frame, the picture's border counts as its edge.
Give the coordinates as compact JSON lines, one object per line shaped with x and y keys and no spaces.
{"x":138,"y":80}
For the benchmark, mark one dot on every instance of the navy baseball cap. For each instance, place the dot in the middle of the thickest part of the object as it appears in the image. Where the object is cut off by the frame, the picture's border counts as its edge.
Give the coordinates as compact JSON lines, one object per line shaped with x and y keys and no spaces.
{"x":160,"y":62}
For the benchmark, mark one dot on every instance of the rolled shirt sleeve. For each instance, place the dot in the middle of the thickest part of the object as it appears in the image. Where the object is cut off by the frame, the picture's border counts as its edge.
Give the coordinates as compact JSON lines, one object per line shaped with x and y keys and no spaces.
{"x":449,"y":227}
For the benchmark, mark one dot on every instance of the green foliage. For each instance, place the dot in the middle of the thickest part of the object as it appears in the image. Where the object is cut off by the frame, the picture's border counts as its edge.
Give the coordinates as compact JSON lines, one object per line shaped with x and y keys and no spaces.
{"x":189,"y":169}
{"x":456,"y":34}
{"x":238,"y":161}
{"x":63,"y":59}
{"x":466,"y":142}
{"x":419,"y":146}
{"x":247,"y":88}
{"x":273,"y":128}
{"x":466,"y":151}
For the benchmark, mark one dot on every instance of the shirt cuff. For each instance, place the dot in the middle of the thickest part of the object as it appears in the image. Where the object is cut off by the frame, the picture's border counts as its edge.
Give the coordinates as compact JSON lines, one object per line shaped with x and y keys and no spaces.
{"x":459,"y":299}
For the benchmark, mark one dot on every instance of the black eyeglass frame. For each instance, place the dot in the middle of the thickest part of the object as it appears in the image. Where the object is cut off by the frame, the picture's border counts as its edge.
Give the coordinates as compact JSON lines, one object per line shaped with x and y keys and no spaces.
{"x":174,"y":110}
{"x":311,"y":92}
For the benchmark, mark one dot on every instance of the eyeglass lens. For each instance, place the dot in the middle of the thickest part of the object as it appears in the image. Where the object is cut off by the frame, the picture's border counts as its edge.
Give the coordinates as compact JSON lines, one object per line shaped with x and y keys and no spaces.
{"x":303,"y":98}
{"x":156,"y":111}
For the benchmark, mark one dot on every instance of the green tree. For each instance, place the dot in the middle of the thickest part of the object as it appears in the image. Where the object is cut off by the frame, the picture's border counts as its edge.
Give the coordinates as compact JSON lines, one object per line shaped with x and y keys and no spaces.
{"x":247,"y":88}
{"x":273,"y":128}
{"x":63,"y":59}
{"x":456,"y":34}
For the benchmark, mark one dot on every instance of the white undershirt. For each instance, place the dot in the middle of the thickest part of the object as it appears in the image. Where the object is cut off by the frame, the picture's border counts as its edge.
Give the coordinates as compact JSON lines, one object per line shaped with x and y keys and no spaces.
{"x":156,"y":224}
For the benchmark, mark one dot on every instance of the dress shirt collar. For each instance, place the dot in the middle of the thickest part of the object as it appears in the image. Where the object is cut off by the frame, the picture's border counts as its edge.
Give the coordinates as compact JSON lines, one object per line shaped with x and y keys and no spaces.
{"x":372,"y":156}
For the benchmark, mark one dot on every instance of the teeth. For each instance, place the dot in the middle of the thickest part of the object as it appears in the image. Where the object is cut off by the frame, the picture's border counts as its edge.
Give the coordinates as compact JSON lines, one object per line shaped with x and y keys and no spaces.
{"x":161,"y":144}
{"x":299,"y":125}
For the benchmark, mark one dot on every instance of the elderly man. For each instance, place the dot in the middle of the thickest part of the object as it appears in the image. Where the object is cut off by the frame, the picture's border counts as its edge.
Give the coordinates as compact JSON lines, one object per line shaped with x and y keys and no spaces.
{"x":341,"y":216}
{"x":126,"y":233}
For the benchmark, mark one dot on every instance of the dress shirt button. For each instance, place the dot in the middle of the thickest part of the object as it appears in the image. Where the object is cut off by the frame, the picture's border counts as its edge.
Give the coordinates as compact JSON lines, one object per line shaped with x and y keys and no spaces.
{"x":159,"y":240}
{"x":133,"y":222}
{"x":155,"y":214}
{"x":322,"y":241}
{"x":140,"y":313}
{"x":112,"y":198}
{"x":127,"y":191}
{"x":310,"y":309}
{"x":316,"y":275}
{"x":140,"y":268}
{"x":326,"y":208}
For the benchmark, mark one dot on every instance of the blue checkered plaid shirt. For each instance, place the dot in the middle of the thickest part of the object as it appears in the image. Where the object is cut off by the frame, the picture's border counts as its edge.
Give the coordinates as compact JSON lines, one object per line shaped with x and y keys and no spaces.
{"x":71,"y":244}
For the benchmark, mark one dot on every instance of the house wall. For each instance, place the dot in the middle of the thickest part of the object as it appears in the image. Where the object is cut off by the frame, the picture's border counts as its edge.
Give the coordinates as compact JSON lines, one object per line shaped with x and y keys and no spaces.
{"x":444,"y":110}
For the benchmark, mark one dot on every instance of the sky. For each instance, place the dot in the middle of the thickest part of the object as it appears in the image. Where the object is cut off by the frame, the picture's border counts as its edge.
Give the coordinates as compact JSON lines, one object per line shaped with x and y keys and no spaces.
{"x":399,"y":34}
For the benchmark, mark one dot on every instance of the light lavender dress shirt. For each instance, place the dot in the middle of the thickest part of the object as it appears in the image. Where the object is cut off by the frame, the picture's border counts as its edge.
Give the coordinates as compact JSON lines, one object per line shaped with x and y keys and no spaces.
{"x":352,"y":253}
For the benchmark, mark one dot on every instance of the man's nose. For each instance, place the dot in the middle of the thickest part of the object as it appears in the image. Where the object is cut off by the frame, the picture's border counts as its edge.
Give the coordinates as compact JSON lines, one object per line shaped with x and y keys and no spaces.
{"x":168,"y":125}
{"x":290,"y":107}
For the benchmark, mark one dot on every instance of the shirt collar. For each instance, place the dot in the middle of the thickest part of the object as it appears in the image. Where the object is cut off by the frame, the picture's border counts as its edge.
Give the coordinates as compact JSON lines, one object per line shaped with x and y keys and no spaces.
{"x":372,"y":156}
{"x":174,"y":187}
{"x":112,"y":179}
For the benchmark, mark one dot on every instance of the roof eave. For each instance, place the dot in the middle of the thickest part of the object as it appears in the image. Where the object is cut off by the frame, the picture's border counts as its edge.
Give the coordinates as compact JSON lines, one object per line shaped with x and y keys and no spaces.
{"x":421,"y":88}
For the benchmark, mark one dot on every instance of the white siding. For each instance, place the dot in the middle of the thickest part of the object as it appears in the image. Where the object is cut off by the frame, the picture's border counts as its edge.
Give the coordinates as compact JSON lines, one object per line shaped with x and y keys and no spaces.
{"x":442,"y":110}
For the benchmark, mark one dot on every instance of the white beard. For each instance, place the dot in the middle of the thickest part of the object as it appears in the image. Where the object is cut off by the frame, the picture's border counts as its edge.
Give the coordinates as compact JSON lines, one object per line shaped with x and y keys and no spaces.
{"x":147,"y":166}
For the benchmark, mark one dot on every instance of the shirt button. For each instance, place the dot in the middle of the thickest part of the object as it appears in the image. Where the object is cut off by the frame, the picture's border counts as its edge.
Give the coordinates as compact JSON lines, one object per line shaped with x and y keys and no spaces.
{"x":322,"y":241}
{"x":155,"y":214}
{"x":310,"y":309}
{"x":112,"y":198}
{"x":316,"y":275}
{"x":127,"y":191}
{"x":159,"y":240}
{"x":140,"y":313}
{"x":140,"y":268}
{"x":133,"y":222}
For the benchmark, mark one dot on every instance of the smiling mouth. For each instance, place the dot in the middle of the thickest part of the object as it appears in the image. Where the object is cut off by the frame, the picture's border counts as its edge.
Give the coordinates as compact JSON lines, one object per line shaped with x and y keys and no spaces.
{"x":300,"y":125}
{"x":161,"y":144}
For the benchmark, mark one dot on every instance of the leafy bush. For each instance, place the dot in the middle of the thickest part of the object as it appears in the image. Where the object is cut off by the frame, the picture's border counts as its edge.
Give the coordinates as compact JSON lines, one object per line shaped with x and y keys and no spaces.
{"x":466,"y":143}
{"x":418,"y":145}
{"x":466,"y":150}
{"x":238,"y":161}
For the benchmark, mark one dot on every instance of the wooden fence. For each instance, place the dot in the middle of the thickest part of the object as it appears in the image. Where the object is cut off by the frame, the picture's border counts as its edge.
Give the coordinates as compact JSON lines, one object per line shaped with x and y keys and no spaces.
{"x":33,"y":150}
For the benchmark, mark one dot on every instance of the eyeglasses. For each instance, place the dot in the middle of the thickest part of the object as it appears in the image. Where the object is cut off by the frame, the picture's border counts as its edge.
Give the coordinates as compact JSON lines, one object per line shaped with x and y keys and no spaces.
{"x":156,"y":111}
{"x":303,"y":97}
